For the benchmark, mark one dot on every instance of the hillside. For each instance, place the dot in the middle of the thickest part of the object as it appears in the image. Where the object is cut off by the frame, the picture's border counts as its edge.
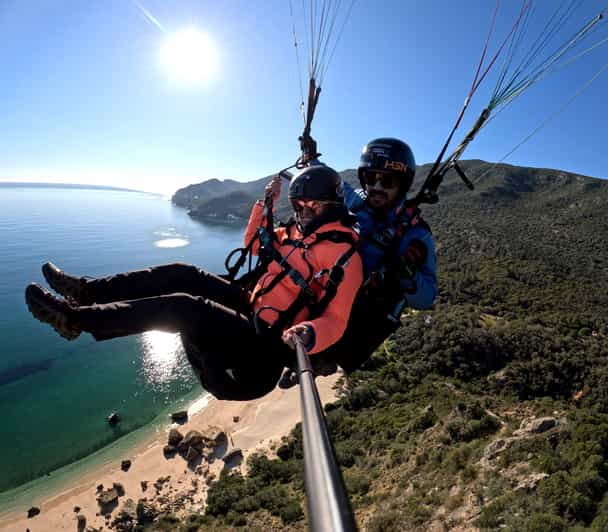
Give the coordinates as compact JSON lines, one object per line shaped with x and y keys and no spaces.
{"x":229,"y":201}
{"x":490,"y":411}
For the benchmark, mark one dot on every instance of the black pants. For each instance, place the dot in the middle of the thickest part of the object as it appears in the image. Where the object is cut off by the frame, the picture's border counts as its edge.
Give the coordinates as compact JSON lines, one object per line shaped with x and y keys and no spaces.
{"x":211,"y":314}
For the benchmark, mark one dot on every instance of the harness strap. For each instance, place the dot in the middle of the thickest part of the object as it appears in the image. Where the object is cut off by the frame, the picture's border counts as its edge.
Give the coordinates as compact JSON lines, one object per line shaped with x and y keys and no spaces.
{"x":244,"y":253}
{"x":253,"y":274}
{"x":335,"y":277}
{"x":306,"y":299}
{"x":390,"y":245}
{"x":388,"y":239}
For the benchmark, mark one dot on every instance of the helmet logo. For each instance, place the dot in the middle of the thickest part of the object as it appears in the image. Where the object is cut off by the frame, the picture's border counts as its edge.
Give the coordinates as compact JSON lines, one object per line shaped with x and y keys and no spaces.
{"x":395,"y":165}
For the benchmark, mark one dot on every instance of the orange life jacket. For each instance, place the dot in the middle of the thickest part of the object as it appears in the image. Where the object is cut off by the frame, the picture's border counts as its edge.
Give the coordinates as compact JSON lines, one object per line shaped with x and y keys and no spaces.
{"x":311,"y":280}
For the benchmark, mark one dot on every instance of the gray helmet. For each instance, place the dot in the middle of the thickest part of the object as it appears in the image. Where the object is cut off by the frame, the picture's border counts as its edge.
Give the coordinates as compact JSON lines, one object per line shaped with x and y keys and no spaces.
{"x":318,"y":182}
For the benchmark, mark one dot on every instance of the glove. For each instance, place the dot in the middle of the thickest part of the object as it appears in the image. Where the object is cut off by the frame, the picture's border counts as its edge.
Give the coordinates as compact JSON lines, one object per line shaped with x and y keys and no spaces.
{"x":413,"y":259}
{"x":274,"y":188}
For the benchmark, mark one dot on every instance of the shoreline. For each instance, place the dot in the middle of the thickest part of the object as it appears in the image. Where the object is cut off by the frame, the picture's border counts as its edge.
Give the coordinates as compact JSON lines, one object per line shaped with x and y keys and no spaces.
{"x":249,"y":426}
{"x":13,"y":500}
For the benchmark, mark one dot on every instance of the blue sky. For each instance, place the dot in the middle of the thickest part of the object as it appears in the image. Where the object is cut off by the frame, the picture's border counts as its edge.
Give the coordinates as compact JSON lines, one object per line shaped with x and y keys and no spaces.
{"x":84,"y":97}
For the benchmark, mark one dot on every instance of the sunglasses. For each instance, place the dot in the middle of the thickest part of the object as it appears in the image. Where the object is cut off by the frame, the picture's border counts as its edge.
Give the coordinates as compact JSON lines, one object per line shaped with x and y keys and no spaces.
{"x":387,"y":180}
{"x":300,"y":205}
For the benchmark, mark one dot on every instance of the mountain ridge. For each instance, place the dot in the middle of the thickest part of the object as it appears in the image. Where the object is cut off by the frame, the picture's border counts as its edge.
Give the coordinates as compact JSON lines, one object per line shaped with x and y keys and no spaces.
{"x":493,"y":181}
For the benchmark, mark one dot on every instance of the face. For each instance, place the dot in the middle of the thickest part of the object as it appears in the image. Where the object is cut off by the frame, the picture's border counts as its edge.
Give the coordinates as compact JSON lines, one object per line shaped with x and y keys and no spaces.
{"x":382,"y":189}
{"x":306,"y":211}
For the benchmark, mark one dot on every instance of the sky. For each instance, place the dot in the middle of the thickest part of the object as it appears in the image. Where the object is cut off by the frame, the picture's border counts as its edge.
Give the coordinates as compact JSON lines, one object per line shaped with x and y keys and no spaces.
{"x":91,"y":92}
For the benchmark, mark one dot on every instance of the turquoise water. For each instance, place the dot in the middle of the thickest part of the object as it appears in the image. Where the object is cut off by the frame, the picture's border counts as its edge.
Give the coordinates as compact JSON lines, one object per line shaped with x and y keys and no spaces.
{"x":55,"y":395}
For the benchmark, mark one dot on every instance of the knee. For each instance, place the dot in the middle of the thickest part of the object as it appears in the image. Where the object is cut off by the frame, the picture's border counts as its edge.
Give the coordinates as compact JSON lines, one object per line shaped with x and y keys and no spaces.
{"x":183,"y":304}
{"x":179,"y":267}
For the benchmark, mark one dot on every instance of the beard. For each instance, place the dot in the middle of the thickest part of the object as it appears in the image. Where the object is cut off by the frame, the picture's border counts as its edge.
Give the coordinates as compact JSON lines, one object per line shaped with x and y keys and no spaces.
{"x":303,"y":220}
{"x":377,"y":198}
{"x":378,"y":194}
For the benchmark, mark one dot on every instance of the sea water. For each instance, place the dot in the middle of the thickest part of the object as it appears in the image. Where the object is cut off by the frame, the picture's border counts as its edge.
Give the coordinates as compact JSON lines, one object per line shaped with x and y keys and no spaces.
{"x":55,"y":395}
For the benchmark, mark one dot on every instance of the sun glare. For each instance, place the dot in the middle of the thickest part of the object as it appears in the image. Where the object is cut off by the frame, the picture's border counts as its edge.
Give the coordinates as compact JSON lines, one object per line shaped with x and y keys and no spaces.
{"x":190,"y":57}
{"x":160,"y":355}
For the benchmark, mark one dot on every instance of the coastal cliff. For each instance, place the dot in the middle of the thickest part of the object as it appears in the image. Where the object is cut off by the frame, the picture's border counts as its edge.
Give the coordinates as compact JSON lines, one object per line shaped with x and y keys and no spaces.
{"x":231,"y":201}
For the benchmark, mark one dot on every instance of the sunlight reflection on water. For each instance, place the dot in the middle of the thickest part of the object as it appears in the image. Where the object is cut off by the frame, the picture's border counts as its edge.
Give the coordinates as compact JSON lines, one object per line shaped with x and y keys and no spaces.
{"x":163,"y":356}
{"x":171,"y":243}
{"x":170,"y":238}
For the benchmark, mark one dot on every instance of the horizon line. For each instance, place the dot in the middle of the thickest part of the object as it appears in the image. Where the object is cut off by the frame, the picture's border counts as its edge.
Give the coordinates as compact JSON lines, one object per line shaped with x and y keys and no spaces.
{"x":58,"y":184}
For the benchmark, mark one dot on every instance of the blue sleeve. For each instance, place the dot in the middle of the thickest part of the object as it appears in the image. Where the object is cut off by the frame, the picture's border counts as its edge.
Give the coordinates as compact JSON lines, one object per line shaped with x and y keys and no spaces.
{"x":353,"y":199}
{"x":424,"y":283}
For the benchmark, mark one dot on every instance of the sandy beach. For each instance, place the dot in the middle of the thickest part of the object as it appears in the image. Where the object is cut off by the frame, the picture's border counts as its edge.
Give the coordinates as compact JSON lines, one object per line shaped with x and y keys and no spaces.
{"x":249,"y":426}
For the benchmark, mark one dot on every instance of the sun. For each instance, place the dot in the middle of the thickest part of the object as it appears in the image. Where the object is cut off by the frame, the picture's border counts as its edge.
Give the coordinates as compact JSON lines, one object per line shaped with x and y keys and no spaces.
{"x":190,"y":57}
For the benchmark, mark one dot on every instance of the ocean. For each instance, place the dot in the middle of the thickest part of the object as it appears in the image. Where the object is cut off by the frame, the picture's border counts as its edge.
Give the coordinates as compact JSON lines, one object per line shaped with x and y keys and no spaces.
{"x":55,"y":395}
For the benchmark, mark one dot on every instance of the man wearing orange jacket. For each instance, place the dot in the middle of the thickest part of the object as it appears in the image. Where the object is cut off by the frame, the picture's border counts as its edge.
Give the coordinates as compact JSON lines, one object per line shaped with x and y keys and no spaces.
{"x":236,"y":339}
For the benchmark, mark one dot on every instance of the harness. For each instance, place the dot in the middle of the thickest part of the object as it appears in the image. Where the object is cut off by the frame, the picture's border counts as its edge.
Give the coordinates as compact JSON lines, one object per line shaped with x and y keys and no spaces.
{"x":388,"y":240}
{"x":267,"y":253}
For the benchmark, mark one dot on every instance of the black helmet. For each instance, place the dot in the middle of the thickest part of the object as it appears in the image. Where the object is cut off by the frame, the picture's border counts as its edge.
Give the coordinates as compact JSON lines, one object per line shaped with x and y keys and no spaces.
{"x":391,"y":156}
{"x":318,"y":182}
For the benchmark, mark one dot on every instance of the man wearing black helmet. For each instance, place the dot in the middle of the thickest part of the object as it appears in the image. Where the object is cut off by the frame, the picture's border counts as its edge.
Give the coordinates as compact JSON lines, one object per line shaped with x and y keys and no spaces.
{"x":396,"y":247}
{"x":235,"y":336}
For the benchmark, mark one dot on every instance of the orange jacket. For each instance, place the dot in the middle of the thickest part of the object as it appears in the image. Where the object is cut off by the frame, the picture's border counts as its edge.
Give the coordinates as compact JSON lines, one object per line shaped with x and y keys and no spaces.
{"x":330,"y":326}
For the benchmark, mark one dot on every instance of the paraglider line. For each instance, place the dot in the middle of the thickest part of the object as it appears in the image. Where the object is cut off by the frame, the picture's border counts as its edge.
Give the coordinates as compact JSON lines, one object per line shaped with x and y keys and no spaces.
{"x":149,"y":17}
{"x":558,"y":112}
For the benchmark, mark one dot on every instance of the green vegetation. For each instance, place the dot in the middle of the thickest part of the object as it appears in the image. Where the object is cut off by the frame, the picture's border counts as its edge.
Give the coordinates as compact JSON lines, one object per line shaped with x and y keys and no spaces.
{"x":518,"y":332}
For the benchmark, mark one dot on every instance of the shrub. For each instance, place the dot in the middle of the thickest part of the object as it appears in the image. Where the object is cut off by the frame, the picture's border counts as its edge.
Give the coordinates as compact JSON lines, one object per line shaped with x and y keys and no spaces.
{"x":545,"y":523}
{"x":291,"y":512}
{"x":383,"y":521}
{"x":285,"y":451}
{"x":563,"y":499}
{"x":226,"y":492}
{"x":357,"y":483}
{"x":236,"y":519}
{"x":269,"y":471}
{"x":491,"y":514}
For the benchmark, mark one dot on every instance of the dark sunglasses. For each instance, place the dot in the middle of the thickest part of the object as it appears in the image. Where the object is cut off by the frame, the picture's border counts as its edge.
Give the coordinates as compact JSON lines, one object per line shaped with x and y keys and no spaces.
{"x":387,"y":180}
{"x":299,"y":205}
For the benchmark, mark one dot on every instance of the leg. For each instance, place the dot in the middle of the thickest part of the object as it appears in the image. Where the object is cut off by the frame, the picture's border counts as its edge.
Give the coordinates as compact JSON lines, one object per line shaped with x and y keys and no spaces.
{"x":149,"y":282}
{"x":359,"y":345}
{"x":231,"y":360}
{"x":171,"y":313}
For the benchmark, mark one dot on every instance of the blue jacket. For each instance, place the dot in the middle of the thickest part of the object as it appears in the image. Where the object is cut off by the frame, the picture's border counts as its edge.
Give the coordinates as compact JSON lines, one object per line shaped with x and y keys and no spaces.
{"x":423,"y":286}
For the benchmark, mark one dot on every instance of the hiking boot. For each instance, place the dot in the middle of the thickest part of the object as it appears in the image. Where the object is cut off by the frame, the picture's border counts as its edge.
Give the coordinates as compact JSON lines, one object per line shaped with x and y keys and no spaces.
{"x":49,"y":309}
{"x":321,"y":367}
{"x":288,"y":379}
{"x":69,"y":286}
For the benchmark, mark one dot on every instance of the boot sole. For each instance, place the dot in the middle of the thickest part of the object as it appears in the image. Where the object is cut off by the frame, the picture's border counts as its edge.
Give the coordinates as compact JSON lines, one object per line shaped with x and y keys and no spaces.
{"x":36,"y":299}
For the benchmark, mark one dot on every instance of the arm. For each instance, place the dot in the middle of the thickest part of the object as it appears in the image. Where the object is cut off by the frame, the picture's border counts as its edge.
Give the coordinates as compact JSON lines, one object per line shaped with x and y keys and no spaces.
{"x":257,"y":212}
{"x":418,"y":274}
{"x":255,"y":219}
